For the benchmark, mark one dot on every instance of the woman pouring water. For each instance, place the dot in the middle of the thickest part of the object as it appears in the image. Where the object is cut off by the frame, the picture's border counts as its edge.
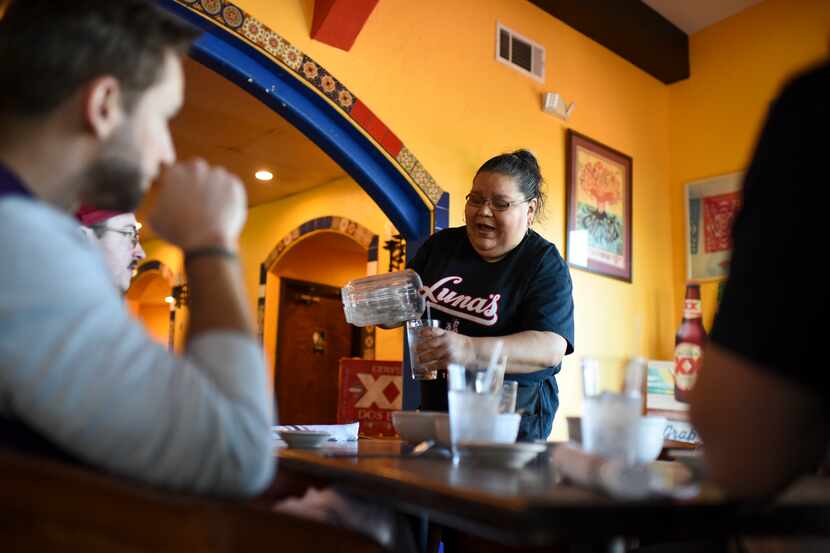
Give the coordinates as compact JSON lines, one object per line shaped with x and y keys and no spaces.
{"x":497,"y":279}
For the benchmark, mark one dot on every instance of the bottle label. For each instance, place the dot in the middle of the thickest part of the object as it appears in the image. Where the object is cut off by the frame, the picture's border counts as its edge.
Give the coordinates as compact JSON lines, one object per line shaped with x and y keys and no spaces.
{"x":687,"y":358}
{"x":692,"y":309}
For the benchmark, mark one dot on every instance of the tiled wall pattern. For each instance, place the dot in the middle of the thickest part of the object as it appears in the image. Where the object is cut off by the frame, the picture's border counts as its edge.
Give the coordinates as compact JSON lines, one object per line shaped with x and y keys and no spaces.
{"x":246,"y":26}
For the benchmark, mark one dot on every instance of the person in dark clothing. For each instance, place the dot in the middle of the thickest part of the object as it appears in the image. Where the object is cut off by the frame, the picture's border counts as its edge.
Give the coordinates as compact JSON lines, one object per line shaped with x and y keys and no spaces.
{"x":497,"y":279}
{"x":761,"y":399}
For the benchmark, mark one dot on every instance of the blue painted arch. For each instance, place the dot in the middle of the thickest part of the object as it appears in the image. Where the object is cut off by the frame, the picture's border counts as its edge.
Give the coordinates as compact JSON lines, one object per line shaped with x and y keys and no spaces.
{"x":323,"y":124}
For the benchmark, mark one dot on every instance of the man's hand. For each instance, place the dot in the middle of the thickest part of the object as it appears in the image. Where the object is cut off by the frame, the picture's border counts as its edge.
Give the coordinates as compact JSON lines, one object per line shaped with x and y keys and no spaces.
{"x":199,"y":206}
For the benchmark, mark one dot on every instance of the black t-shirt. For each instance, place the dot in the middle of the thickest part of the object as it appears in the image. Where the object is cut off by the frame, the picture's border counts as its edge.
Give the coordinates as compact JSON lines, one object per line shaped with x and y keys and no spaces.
{"x":529,"y":289}
{"x":775,"y":305}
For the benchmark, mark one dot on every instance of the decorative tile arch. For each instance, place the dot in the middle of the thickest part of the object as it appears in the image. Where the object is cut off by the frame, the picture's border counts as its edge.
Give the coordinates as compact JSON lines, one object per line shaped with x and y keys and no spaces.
{"x":332,"y":223}
{"x":243,"y":49}
{"x":367,"y":239}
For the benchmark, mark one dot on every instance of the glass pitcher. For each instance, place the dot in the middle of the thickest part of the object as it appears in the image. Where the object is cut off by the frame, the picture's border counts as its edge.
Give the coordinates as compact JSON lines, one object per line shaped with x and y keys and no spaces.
{"x":386,"y":299}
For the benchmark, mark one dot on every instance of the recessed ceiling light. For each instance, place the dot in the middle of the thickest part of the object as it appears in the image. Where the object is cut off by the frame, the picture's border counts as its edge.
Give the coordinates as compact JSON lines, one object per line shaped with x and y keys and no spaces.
{"x":264,"y":175}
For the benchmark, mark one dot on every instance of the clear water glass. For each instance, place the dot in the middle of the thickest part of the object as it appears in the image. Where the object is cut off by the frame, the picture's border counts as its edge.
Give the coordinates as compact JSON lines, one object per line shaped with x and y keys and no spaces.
{"x":414,"y":328}
{"x":472,"y":418}
{"x":509,"y":394}
{"x":473,"y":407}
{"x":612,"y":406}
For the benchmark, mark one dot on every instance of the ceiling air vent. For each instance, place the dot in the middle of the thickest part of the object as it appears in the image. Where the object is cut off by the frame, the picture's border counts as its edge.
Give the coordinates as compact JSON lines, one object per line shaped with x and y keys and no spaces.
{"x":520,"y":53}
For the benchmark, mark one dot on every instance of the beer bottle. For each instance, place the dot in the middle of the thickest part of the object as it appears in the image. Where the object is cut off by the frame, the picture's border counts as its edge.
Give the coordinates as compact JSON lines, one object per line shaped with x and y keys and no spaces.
{"x":688,"y":344}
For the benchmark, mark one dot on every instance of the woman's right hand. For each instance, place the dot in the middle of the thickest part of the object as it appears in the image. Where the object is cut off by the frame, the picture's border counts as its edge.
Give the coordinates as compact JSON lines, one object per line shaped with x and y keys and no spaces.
{"x":438,"y":348}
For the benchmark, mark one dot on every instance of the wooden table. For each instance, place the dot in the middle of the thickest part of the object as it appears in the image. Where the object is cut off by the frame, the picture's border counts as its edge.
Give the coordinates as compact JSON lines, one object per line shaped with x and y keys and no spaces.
{"x":532,"y":507}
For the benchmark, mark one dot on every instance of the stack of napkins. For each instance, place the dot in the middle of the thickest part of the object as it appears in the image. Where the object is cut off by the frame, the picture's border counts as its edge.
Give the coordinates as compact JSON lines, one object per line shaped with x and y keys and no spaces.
{"x":337,"y":432}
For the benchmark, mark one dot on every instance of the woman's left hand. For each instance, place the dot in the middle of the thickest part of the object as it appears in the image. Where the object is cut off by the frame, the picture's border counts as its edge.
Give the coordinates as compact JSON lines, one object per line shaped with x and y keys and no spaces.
{"x":441,"y":347}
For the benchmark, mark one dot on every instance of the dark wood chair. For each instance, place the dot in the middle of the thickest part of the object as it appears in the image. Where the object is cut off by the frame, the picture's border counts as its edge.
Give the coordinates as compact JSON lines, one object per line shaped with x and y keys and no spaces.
{"x":51,"y":506}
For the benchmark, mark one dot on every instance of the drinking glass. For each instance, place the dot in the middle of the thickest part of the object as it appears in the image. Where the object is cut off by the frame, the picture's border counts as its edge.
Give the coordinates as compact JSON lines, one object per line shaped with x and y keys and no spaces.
{"x":612,"y":406}
{"x":474,"y":406}
{"x":509,"y":393}
{"x":414,"y":328}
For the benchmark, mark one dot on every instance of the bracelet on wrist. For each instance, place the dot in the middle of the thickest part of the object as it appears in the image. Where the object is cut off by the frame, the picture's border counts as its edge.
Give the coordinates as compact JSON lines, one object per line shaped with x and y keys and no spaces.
{"x":209,"y":251}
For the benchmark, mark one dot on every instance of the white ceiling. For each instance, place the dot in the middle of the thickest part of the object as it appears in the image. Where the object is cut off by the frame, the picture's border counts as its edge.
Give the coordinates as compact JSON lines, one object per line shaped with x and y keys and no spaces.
{"x":692,"y":16}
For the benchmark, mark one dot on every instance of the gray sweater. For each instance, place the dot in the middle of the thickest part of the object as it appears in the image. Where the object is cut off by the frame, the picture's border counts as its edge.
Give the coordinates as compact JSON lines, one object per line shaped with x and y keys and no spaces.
{"x":77,"y":368}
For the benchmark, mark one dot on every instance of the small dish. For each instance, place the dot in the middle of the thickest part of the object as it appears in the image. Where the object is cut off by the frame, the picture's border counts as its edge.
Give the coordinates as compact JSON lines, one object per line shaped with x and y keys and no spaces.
{"x":415,"y":426}
{"x":499,"y":455}
{"x":302,"y":439}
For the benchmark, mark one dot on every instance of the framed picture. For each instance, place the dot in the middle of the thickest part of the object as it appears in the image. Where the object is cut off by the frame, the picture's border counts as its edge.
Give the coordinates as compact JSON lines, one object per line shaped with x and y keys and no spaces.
{"x":598,"y":183}
{"x":711,"y":206}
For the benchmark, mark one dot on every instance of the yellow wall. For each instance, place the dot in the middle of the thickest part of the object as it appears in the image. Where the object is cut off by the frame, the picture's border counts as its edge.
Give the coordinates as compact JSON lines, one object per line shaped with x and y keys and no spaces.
{"x":738,"y":65}
{"x":156,"y":319}
{"x":428,"y":70}
{"x":321,"y":258}
{"x":158,"y":250}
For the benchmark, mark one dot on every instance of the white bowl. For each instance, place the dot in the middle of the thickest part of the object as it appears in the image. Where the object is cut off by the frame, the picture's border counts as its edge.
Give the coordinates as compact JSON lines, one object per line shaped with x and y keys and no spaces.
{"x":415,"y":426}
{"x":302,"y":439}
{"x":442,"y":428}
{"x":650,"y":438}
{"x":505,"y":431}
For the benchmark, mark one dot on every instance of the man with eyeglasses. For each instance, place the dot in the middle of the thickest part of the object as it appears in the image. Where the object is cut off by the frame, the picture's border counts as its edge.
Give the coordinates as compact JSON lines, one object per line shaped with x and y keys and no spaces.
{"x":116,"y":234}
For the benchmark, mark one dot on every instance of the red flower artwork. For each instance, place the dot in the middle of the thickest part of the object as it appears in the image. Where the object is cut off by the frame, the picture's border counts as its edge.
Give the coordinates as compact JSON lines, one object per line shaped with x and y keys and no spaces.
{"x":598,"y":181}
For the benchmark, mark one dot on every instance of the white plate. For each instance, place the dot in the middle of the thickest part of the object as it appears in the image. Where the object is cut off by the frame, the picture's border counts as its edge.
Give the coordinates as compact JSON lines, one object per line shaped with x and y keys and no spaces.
{"x":499,"y":455}
{"x":303,"y":439}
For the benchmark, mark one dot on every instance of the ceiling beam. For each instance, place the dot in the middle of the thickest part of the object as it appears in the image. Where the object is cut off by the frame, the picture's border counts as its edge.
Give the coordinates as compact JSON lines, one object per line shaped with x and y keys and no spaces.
{"x":630,"y":29}
{"x":338,"y":22}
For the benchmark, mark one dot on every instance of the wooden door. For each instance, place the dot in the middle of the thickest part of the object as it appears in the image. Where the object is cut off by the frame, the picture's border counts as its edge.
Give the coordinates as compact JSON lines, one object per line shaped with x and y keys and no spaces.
{"x":313,"y":335}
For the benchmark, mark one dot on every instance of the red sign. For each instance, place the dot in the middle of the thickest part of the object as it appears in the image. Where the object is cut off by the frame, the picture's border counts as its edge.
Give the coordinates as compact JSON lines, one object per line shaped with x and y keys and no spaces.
{"x":718,"y":214}
{"x":369,"y":392}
